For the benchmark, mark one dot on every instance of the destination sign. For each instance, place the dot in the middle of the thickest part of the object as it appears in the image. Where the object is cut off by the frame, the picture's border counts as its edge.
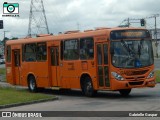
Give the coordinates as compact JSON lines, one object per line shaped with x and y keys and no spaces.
{"x":129,"y":34}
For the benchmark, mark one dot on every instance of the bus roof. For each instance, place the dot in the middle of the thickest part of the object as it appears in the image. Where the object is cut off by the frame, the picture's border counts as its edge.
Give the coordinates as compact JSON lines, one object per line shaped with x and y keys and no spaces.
{"x":68,"y":35}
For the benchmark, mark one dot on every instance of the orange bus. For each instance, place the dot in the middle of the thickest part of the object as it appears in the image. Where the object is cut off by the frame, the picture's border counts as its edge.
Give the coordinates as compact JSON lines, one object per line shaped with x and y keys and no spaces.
{"x":116,"y":59}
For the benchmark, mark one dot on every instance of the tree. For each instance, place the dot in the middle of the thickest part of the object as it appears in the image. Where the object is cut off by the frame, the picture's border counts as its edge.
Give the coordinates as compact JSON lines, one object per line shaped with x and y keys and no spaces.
{"x":14,"y":38}
{"x":5,"y":40}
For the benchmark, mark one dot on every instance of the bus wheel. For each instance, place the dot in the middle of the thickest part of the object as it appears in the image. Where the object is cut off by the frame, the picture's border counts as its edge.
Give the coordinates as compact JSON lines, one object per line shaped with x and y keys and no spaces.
{"x":32,"y":84}
{"x":88,"y":87}
{"x":125,"y":92}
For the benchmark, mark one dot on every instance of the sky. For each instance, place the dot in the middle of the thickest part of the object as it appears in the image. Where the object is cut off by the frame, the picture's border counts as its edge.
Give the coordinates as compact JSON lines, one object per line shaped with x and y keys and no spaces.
{"x":64,"y":15}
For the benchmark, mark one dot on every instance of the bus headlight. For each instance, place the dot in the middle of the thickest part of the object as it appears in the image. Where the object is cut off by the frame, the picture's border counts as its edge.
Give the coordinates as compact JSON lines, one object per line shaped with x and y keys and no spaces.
{"x":117,"y":76}
{"x":151,"y":74}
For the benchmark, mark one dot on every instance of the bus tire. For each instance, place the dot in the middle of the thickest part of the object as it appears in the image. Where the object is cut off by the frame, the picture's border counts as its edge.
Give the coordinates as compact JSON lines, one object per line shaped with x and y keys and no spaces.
{"x":87,"y":88}
{"x":125,"y":92}
{"x":32,"y":86}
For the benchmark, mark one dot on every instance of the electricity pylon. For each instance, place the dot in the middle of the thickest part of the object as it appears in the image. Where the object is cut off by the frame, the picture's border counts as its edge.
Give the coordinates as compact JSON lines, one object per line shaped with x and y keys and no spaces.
{"x":37,"y":19}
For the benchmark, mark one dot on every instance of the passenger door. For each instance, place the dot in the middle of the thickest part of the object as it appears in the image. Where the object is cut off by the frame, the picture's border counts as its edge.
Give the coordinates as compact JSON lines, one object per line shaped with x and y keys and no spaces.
{"x":102,"y":65}
{"x":17,"y":66}
{"x":54,"y":58}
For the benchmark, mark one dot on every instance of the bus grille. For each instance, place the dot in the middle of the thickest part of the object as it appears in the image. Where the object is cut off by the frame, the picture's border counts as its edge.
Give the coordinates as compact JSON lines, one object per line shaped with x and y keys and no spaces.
{"x":136,"y":83}
{"x":135,"y":78}
{"x":130,"y":73}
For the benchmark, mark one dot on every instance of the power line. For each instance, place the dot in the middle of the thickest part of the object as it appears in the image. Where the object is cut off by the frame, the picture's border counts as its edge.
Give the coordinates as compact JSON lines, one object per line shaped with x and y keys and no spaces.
{"x":128,"y":21}
{"x":152,"y":16}
{"x":37,"y":19}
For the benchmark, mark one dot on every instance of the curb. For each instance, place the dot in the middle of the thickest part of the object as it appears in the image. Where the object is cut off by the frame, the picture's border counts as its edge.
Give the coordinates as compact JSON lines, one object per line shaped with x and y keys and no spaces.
{"x":27,"y":103}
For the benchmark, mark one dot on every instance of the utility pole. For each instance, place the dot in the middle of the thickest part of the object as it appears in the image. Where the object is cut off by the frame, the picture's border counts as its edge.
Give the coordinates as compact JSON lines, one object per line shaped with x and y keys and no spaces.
{"x":156,"y":44}
{"x":37,"y":19}
{"x":4,"y":40}
{"x":5,"y":33}
{"x":155,"y":31}
{"x":128,"y":22}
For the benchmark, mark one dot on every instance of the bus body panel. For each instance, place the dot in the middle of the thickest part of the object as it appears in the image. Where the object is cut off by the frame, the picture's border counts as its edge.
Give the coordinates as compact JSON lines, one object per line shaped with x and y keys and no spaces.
{"x":9,"y":75}
{"x":70,"y":74}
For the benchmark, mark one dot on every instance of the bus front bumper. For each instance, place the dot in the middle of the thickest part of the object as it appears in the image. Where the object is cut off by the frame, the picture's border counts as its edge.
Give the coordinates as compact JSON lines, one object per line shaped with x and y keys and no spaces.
{"x":117,"y":85}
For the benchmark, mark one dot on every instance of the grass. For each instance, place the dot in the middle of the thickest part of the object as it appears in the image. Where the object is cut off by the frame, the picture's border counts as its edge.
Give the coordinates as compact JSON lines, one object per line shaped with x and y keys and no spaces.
{"x":13,"y":96}
{"x":2,"y":71}
{"x":157,"y":72}
{"x":2,"y":74}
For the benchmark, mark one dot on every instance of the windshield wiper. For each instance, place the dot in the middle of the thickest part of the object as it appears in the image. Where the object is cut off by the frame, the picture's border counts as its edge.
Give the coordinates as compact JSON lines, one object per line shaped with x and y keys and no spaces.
{"x":137,"y":62}
{"x":127,"y":47}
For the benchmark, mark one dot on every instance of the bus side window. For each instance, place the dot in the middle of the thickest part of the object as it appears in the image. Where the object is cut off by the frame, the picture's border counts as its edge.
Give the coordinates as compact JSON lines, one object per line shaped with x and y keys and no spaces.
{"x":71,"y":49}
{"x":8,"y":54}
{"x":30,"y":52}
{"x":41,"y":52}
{"x":86,"y":48}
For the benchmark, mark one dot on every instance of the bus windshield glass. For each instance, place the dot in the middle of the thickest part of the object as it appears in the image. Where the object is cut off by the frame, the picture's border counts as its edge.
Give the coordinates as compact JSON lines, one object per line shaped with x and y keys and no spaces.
{"x":131,"y":53}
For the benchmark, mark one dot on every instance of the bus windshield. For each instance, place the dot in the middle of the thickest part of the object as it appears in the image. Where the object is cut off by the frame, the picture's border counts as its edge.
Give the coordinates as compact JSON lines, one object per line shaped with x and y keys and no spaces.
{"x":132,"y":53}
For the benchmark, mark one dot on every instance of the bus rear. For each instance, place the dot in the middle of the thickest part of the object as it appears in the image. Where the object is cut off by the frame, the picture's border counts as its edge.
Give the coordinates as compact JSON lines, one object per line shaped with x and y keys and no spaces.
{"x":132,"y":60}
